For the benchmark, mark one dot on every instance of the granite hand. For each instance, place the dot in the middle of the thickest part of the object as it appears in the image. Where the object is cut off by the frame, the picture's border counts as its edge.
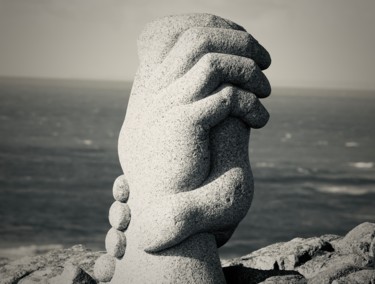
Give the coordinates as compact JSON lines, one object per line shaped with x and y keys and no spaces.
{"x":185,"y":107}
{"x":178,"y":111}
{"x":178,"y":116}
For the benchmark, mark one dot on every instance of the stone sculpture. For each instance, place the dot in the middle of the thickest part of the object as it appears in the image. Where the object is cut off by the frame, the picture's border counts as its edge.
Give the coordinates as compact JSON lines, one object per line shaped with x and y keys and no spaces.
{"x":184,"y":151}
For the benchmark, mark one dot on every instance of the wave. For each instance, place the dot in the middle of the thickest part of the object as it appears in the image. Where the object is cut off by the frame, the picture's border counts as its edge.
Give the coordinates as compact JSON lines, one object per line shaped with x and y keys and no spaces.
{"x":264,"y":165}
{"x":346,"y":190}
{"x":286,"y":137}
{"x":351,"y":144}
{"x":362,"y":165}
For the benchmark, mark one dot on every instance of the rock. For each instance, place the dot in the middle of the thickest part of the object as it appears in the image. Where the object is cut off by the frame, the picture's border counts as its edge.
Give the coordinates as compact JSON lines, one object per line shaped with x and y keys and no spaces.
{"x":364,"y":232}
{"x":121,"y":189}
{"x":326,"y":262}
{"x":37,"y":277}
{"x":184,"y":146}
{"x":330,"y":238}
{"x":354,"y":250}
{"x":365,"y":276}
{"x":319,"y":260}
{"x":104,"y":268}
{"x":372,"y":250}
{"x":3,"y":261}
{"x":119,"y":215}
{"x":115,"y":243}
{"x":42,"y":267}
{"x":285,"y":256}
{"x":360,"y":242}
{"x":328,"y":275}
{"x":72,"y":275}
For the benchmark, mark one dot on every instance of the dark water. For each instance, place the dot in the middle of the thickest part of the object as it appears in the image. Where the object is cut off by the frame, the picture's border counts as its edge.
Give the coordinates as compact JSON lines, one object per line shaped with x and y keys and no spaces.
{"x":313,"y":164}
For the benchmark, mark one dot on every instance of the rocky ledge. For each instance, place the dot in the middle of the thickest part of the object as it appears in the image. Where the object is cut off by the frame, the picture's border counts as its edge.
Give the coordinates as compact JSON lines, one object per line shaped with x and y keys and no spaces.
{"x":326,"y":259}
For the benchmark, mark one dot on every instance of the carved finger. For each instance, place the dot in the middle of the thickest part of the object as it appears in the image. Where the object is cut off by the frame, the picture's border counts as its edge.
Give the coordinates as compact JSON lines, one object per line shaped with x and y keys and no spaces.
{"x":193,"y":43}
{"x":157,"y":40}
{"x":211,"y":71}
{"x":229,"y":101}
{"x":221,"y":146}
{"x":219,"y":205}
{"x":226,"y":195}
{"x":229,"y":186}
{"x":121,"y":189}
{"x":119,"y":215}
{"x":104,"y":268}
{"x":115,"y":243}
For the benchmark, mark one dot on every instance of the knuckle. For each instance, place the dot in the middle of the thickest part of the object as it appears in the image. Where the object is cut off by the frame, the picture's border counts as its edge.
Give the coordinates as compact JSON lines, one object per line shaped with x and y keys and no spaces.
{"x":252,"y":99}
{"x":189,"y":35}
{"x":245,"y":102}
{"x":251,"y":63}
{"x":239,"y":174}
{"x":228,"y":90}
{"x":227,"y":94}
{"x":195,"y":37}
{"x":247,"y":98}
{"x":208,"y":60}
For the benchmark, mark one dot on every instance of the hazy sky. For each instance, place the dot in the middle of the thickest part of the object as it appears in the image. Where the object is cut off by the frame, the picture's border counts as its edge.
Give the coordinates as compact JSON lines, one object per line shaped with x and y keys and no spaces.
{"x":316,"y":43}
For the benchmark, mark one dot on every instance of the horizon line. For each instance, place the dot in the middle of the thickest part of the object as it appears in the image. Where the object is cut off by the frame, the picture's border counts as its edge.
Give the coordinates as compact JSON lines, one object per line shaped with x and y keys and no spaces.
{"x":118,"y":82}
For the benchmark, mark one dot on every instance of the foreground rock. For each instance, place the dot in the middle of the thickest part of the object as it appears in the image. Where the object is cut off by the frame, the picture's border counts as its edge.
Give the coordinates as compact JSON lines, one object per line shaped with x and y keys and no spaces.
{"x":326,"y":259}
{"x":74,"y":264}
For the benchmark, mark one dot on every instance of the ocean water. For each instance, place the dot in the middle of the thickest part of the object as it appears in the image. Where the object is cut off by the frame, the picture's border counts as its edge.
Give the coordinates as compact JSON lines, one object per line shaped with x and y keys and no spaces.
{"x":313,"y":165}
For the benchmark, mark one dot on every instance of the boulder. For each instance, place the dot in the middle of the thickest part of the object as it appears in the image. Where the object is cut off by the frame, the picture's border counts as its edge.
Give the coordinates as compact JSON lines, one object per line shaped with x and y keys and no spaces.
{"x":323,"y":259}
{"x":327,"y":276}
{"x":42,"y":267}
{"x":359,"y":241}
{"x":72,"y":274}
{"x":358,"y":277}
{"x":286,"y":256}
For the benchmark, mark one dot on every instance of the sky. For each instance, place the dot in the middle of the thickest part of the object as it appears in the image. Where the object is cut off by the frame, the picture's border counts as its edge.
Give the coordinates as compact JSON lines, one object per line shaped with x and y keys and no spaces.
{"x":316,"y":43}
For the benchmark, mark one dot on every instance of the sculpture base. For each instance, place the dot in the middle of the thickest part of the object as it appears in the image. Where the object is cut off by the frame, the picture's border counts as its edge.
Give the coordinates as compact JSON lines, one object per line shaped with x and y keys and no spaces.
{"x":193,"y":261}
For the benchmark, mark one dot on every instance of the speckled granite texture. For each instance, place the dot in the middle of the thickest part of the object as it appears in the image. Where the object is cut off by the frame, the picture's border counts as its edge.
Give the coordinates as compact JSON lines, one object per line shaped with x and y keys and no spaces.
{"x":184,"y":147}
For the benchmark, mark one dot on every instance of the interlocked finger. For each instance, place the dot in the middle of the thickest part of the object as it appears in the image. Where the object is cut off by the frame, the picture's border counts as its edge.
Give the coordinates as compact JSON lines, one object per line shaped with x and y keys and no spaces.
{"x":211,"y":71}
{"x":229,"y":101}
{"x":198,"y":41}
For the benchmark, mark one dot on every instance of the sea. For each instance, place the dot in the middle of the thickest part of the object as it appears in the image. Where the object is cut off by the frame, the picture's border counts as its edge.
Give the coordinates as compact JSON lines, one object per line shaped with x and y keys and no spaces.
{"x":313,"y":165}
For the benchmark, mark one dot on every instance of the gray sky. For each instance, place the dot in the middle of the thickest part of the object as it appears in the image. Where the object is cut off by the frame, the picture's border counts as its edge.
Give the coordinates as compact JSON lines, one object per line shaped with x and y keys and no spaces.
{"x":317,"y":43}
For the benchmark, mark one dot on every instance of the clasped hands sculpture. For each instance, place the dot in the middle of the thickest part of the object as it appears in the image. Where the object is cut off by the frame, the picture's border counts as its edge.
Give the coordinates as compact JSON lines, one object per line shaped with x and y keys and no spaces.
{"x":184,"y":151}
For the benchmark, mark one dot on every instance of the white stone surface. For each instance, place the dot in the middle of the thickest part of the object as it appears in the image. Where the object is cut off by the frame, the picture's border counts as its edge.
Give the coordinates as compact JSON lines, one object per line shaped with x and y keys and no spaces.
{"x":115,"y":243}
{"x":121,"y":189}
{"x":104,"y":268}
{"x":119,"y":215}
